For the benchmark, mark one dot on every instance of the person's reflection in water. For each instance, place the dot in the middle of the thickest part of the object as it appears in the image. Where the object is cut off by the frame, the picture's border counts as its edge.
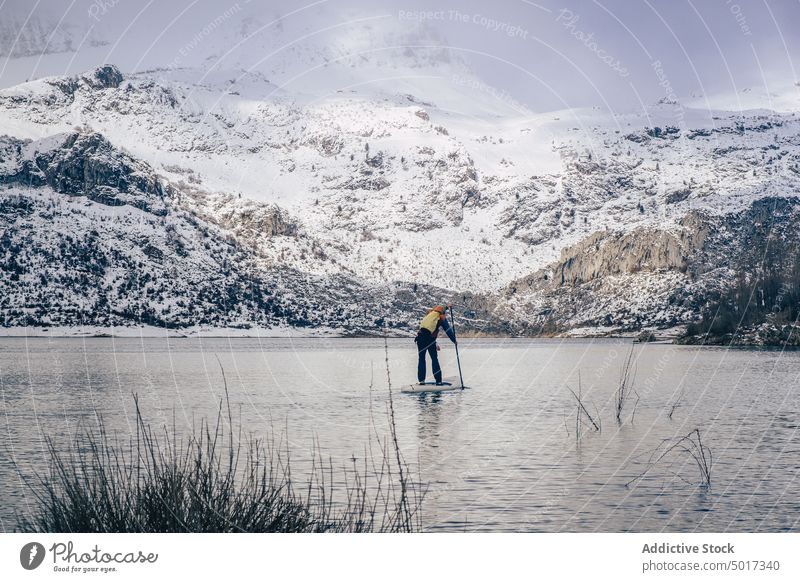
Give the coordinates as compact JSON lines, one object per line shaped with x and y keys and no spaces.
{"x":430,"y":411}
{"x":429,"y":435}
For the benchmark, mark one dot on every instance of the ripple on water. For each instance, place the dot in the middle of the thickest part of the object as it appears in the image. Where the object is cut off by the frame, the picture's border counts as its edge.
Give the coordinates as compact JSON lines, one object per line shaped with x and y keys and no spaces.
{"x":503,"y":456}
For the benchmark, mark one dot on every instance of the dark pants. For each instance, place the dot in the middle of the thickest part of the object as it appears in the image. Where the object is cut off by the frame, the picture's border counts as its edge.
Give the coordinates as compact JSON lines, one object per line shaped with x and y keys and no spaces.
{"x":427,"y":343}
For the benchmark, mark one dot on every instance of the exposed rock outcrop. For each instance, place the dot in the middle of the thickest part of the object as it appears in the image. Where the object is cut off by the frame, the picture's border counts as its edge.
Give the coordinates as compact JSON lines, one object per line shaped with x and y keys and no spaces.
{"x":666,"y":278}
{"x":84,"y":164}
{"x":105,"y":77}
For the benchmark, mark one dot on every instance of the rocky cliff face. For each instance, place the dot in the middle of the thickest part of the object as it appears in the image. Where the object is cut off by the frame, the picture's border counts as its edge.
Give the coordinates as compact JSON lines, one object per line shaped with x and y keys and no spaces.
{"x":83,"y":164}
{"x":609,"y":254}
{"x":651,"y":278}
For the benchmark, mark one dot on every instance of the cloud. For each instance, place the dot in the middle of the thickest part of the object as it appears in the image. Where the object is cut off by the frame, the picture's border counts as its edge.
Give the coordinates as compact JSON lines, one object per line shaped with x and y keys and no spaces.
{"x":601,"y":55}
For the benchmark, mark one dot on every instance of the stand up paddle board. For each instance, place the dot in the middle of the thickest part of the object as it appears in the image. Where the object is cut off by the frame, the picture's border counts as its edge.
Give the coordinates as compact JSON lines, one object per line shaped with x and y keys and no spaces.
{"x":448,"y":384}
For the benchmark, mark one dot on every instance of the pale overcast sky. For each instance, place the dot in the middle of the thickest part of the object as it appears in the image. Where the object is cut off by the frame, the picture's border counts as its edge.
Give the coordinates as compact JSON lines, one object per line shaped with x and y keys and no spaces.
{"x":545,"y":53}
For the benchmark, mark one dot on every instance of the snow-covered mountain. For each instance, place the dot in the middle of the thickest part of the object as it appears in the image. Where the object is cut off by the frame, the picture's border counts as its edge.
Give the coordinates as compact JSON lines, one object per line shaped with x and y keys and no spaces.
{"x":91,"y":236}
{"x":538,"y":222}
{"x":31,"y":33}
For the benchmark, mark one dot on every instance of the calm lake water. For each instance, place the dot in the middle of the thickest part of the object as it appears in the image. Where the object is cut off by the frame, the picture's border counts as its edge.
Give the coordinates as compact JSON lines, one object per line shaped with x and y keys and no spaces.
{"x":502,"y":456}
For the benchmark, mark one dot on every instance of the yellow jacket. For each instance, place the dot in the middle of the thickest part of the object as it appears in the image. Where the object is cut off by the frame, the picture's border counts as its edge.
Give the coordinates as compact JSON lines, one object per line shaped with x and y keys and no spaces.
{"x":431,"y":321}
{"x":434,"y":320}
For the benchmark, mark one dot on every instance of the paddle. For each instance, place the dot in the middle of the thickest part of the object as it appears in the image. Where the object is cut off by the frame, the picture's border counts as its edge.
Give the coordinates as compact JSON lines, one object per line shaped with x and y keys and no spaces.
{"x":458,"y":359}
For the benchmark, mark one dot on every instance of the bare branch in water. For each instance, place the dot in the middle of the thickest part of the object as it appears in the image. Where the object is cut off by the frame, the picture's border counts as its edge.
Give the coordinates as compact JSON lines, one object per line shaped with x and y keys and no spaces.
{"x":626,"y":382}
{"x":677,"y":403}
{"x":690,"y":444}
{"x":582,"y":412}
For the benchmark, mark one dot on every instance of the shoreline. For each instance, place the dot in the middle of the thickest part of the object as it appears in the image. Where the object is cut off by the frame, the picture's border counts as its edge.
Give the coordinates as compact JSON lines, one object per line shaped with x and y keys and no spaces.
{"x":674,"y":336}
{"x":148,"y":331}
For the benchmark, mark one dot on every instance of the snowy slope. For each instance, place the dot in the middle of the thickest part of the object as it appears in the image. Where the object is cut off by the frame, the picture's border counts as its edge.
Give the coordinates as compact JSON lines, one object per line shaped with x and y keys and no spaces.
{"x":90,"y":236}
{"x":395,"y":189}
{"x":779,"y":95}
{"x":370,"y":151}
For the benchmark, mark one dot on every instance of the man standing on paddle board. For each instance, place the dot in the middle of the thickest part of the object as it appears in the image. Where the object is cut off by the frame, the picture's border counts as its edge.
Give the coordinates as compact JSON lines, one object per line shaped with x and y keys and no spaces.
{"x":426,"y":341}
